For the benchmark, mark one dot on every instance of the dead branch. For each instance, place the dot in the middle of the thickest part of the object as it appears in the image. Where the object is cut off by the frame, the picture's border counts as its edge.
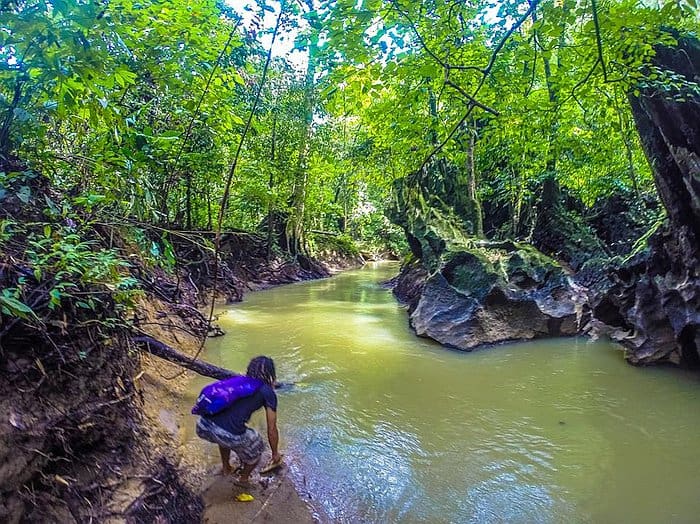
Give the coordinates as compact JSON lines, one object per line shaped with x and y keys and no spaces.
{"x":161,"y":350}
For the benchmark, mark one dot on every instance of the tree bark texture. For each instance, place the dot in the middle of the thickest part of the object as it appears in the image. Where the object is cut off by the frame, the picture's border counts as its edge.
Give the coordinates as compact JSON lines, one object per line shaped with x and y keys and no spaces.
{"x":159,"y":349}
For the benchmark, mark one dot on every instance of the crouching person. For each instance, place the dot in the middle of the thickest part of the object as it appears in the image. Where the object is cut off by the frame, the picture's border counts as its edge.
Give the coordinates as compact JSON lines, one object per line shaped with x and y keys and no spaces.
{"x":228,"y":429}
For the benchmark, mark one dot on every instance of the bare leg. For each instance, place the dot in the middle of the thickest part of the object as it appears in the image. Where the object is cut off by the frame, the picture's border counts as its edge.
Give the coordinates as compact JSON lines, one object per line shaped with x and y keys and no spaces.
{"x":225,"y":456}
{"x":247,"y":470}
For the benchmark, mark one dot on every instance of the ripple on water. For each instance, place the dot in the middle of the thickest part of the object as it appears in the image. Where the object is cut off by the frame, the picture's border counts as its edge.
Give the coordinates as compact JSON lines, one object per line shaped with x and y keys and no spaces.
{"x":387,"y":427}
{"x":505,"y":498}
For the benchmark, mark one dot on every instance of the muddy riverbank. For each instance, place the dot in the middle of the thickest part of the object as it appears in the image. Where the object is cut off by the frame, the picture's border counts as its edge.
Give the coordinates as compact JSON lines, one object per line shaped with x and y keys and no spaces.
{"x":92,"y":429}
{"x":167,"y":391}
{"x":168,"y":401}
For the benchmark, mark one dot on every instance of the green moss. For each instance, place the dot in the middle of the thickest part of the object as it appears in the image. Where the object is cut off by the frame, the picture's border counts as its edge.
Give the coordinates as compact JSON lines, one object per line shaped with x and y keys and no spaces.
{"x":472,"y":273}
{"x":474,"y":270}
{"x":341,"y":244}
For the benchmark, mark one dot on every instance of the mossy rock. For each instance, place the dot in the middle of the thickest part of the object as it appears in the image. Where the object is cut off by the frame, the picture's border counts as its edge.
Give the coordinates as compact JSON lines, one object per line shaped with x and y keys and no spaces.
{"x":476,"y":270}
{"x":472,"y":273}
{"x":493,"y":292}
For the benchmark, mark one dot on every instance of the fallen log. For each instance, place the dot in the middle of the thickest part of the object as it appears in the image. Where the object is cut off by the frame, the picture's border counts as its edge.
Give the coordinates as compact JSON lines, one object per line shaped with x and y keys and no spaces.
{"x":159,"y":349}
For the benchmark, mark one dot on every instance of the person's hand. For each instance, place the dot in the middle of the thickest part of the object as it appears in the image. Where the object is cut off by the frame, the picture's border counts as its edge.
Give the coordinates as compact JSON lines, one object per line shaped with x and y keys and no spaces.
{"x":275,"y":462}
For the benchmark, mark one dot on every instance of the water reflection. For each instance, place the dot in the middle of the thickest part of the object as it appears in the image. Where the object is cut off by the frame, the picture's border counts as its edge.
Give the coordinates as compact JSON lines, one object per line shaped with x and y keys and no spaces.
{"x":387,"y":427}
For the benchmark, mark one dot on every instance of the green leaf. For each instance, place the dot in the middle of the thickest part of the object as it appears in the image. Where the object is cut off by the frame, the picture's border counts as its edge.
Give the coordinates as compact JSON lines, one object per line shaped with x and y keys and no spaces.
{"x":54,"y":298}
{"x":15,"y":307}
{"x":24,"y":194}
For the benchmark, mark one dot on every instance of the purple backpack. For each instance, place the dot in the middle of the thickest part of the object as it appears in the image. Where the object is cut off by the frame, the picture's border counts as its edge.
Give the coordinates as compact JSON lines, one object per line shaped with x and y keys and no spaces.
{"x":218,"y":396}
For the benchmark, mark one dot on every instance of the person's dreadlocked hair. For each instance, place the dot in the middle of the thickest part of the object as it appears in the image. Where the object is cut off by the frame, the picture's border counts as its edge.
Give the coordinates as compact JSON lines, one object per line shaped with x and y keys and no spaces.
{"x":262,"y":368}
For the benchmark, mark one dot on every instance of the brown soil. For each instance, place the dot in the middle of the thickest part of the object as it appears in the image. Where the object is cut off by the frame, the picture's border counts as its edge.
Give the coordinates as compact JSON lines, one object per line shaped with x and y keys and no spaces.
{"x":92,"y":426}
{"x":275,"y":501}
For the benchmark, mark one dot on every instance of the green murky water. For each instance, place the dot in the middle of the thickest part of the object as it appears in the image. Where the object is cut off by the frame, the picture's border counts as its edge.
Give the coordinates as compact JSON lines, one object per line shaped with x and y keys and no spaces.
{"x":388,"y":427}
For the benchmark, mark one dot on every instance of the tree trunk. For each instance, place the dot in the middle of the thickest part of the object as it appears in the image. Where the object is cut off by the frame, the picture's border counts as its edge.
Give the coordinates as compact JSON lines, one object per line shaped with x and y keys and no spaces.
{"x":625,"y":128}
{"x":551,"y":193}
{"x":270,"y":185}
{"x":472,"y":196}
{"x":295,"y":226}
{"x":209,"y":213}
{"x":432,"y":107}
{"x":6,"y":126}
{"x":188,"y":201}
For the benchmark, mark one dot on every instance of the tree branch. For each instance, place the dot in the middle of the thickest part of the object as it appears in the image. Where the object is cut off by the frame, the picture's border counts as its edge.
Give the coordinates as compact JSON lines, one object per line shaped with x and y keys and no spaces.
{"x":159,"y":349}
{"x":582,"y":81}
{"x":471,"y":98}
{"x":420,"y":38}
{"x":467,"y":68}
{"x":486,"y":72}
{"x":598,"y":39}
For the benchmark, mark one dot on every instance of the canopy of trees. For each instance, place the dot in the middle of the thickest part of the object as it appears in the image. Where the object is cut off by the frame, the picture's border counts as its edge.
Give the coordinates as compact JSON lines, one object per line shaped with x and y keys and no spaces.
{"x":174,"y":113}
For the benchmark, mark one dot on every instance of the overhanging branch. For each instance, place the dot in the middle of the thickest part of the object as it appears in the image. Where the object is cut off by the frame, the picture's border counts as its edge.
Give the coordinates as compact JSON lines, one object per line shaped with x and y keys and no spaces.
{"x":471,"y":99}
{"x":486,"y":72}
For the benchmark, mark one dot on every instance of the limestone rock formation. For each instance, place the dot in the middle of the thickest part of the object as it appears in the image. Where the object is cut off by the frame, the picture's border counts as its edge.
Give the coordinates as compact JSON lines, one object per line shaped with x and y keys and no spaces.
{"x":464,"y":292}
{"x":488,"y":293}
{"x":652,"y":303}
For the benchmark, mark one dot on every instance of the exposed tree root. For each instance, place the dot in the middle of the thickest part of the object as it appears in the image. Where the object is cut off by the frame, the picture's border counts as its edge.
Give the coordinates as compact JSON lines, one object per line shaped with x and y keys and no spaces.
{"x":159,"y":349}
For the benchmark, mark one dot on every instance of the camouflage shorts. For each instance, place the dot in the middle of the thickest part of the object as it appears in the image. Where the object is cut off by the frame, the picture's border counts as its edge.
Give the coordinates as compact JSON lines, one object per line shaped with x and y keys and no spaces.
{"x":248,"y":446}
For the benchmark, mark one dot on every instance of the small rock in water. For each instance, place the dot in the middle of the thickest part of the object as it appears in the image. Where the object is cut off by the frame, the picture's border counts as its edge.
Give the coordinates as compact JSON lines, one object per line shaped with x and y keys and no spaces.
{"x":562,"y":423}
{"x":215,"y":331}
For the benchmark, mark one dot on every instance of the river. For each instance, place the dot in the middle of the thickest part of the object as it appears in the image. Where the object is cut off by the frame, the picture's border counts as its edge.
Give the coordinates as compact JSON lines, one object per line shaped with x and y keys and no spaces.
{"x":383,"y":426}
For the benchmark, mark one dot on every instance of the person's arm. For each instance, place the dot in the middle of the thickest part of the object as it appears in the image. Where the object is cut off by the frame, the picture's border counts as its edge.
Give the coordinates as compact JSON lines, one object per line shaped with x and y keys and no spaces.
{"x":273,"y":436}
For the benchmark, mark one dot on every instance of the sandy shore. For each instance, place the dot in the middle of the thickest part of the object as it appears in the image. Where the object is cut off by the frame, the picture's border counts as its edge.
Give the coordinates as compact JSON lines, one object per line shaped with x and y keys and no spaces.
{"x":275,"y":501}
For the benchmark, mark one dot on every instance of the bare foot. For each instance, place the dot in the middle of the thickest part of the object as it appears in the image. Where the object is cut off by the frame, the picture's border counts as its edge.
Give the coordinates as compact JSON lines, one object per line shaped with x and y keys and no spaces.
{"x":228,"y":470}
{"x":243,"y":482}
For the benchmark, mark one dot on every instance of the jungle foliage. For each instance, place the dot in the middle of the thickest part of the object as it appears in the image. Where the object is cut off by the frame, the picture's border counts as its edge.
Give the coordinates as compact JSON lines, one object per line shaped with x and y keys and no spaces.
{"x":135,"y":110}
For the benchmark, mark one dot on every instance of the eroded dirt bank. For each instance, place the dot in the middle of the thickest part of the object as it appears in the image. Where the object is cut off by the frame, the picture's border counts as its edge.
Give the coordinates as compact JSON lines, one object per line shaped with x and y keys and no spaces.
{"x":98,"y":436}
{"x":90,"y":429}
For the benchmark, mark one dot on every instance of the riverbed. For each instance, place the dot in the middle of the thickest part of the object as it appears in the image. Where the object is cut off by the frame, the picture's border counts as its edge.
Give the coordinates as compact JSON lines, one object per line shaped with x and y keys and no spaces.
{"x":383,"y":426}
